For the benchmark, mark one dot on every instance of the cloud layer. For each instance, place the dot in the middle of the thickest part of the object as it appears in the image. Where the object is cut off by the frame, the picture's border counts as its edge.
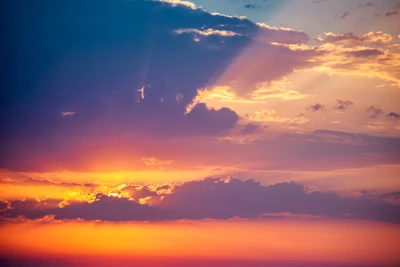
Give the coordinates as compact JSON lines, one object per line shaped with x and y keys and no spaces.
{"x":214,"y":198}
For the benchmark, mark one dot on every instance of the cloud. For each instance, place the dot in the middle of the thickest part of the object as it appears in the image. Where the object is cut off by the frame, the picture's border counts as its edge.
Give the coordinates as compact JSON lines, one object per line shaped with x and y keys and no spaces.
{"x":271,"y":116}
{"x":391,"y":13}
{"x":378,"y":38}
{"x":30,"y":208}
{"x":342,"y":16}
{"x":281,"y":35}
{"x":365,"y":53}
{"x":250,"y":6}
{"x":206,"y":32}
{"x":180,"y":2}
{"x":348,"y":57}
{"x":3,"y":205}
{"x":374,"y":112}
{"x":67,"y":113}
{"x":393,"y":115}
{"x":216,"y":199}
{"x":343,"y":104}
{"x":112,"y":118}
{"x":315,"y":107}
{"x":97,"y":77}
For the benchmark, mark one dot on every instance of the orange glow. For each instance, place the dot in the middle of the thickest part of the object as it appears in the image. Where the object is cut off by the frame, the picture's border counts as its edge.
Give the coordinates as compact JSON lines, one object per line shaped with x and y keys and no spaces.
{"x":333,"y":241}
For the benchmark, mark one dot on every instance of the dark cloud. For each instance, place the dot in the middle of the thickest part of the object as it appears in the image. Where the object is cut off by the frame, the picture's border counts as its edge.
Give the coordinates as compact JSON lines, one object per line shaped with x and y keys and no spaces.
{"x":365,"y":53}
{"x":137,"y":192}
{"x":342,"y":16}
{"x":391,"y":197}
{"x":218,"y":199}
{"x":343,"y":104}
{"x":3,"y":205}
{"x":250,"y":6}
{"x":107,"y":208}
{"x":30,"y":208}
{"x":93,"y":68}
{"x":392,"y":13}
{"x":393,"y":115}
{"x":374,"y":112}
{"x":316,"y":107}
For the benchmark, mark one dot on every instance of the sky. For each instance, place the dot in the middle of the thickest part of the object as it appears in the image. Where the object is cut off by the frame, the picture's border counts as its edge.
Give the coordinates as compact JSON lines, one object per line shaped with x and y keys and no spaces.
{"x":200,"y":133}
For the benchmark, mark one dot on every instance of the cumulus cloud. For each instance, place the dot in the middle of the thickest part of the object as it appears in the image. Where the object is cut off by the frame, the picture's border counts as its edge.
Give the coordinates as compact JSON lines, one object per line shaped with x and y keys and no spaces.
{"x":217,"y":199}
{"x":121,"y":56}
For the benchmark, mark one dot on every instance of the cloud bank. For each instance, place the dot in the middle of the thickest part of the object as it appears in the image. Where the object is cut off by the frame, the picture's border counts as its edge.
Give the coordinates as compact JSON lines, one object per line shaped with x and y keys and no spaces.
{"x":214,"y":198}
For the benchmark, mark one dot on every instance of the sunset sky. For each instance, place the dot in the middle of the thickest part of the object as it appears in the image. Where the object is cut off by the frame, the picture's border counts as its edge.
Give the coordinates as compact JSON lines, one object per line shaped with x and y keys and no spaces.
{"x":219,"y":133}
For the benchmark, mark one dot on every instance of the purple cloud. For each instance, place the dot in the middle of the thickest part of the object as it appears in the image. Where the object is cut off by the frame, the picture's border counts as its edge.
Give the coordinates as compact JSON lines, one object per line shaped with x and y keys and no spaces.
{"x":218,"y":199}
{"x":343,"y":104}
{"x":122,"y":81}
{"x":315,"y":107}
{"x":393,"y":115}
